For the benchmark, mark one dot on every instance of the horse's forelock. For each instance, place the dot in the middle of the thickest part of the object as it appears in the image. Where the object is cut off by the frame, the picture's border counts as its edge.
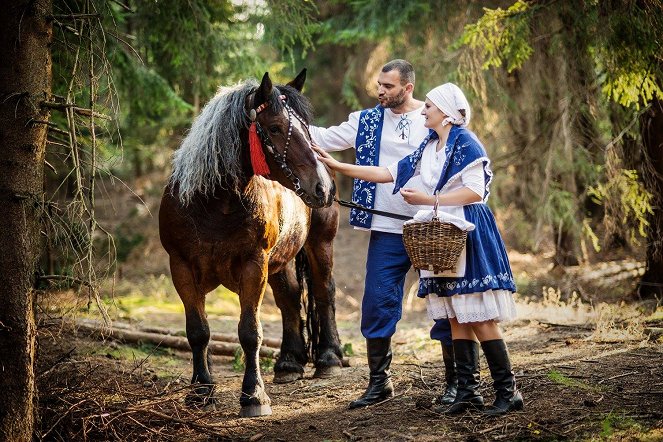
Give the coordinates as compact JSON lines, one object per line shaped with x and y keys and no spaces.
{"x":298,"y":102}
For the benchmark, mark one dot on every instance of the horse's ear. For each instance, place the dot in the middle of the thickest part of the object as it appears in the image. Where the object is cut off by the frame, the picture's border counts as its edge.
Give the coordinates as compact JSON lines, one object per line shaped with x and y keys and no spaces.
{"x":298,"y":82}
{"x":264,"y":91}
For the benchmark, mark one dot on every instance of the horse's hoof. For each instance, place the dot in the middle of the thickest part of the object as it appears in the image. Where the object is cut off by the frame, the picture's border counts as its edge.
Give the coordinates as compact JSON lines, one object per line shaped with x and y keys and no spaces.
{"x":255,"y":411}
{"x":284,"y":377}
{"x":327,"y":372}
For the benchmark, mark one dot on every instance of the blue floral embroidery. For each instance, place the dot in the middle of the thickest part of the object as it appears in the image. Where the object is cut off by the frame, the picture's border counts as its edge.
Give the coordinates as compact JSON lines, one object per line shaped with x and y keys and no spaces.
{"x":367,"y":153}
{"x":488,"y":282}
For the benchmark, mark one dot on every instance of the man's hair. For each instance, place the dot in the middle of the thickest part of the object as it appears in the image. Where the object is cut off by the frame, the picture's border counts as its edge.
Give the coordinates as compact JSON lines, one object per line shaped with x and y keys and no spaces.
{"x":403,"y":67}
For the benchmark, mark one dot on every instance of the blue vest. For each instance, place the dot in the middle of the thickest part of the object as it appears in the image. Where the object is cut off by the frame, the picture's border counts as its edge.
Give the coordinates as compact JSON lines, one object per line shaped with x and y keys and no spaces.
{"x":367,"y":153}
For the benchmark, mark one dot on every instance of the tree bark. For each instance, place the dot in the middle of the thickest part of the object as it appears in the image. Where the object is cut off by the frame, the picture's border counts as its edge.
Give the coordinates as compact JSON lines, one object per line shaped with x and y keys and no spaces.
{"x":651,"y":284}
{"x":25,"y":73}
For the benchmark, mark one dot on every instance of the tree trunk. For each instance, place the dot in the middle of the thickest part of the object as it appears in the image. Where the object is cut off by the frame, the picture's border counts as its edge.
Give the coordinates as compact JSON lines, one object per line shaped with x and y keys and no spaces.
{"x":25,"y":70}
{"x":651,"y":284}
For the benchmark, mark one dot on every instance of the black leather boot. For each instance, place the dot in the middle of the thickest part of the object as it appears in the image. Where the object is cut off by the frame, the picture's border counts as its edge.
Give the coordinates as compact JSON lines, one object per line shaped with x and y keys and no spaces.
{"x":466,"y":355}
{"x":449,"y":394}
{"x":507,"y":396}
{"x":379,"y":384}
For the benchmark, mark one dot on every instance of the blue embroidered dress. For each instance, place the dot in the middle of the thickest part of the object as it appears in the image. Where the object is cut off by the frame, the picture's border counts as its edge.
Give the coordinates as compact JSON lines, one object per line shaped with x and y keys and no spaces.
{"x":485,"y":290}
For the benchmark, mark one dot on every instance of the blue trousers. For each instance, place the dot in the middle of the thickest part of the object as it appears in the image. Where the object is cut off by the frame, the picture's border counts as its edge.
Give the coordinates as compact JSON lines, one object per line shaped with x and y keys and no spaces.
{"x":441,"y":331}
{"x":387,"y":264}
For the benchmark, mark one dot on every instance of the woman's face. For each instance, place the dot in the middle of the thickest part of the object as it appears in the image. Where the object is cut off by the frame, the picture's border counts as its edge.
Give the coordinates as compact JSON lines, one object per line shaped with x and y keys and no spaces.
{"x":434,"y":116}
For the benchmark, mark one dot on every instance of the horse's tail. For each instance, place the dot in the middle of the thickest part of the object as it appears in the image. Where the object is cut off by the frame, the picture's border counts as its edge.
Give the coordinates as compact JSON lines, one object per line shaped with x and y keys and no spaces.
{"x":312,"y":323}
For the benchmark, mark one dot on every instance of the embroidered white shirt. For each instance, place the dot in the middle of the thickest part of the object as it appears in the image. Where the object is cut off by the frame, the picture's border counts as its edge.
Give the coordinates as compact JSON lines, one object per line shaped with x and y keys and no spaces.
{"x":401,"y":134}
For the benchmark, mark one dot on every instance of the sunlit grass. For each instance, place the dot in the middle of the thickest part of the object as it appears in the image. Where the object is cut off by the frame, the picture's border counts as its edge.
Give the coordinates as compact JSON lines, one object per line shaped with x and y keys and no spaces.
{"x":551,"y":307}
{"x":656,"y":316}
{"x":156,"y":294}
{"x":617,"y":323}
{"x":566,"y":381}
{"x":616,"y":426}
{"x":161,"y":362}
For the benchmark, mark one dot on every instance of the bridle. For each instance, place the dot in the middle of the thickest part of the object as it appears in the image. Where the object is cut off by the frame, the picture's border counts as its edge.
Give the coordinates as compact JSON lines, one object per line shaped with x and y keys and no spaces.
{"x":280,"y":158}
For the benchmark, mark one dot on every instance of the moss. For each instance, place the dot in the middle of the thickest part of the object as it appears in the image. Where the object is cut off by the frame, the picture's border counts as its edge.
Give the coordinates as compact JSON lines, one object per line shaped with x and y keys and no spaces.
{"x":561,"y":379}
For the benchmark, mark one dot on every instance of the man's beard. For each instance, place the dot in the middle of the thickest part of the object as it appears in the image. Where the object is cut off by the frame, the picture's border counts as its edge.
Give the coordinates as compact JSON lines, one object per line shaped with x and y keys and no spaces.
{"x":394,"y":101}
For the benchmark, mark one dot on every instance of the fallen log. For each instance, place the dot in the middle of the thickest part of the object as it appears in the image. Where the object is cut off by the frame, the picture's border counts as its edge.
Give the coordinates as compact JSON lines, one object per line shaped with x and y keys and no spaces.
{"x":654,"y":332}
{"x":223,"y":337}
{"x":125,"y":333}
{"x":176,"y":342}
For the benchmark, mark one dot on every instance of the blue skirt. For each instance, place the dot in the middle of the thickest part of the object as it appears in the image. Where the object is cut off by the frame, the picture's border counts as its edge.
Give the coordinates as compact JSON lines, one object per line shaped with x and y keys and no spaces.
{"x":487,"y":264}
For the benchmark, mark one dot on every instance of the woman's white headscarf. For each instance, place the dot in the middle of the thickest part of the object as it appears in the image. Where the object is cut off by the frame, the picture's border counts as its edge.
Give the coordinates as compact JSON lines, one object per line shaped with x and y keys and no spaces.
{"x":449,"y":99}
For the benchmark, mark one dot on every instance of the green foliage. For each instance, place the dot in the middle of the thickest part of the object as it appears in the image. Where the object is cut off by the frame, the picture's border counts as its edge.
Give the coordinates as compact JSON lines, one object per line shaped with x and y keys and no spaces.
{"x":373,"y":20}
{"x":148,"y":100}
{"x":632,"y":86}
{"x":628,"y":51}
{"x":238,"y":360}
{"x":619,"y":43}
{"x":560,"y":207}
{"x":348,"y":92}
{"x":289,"y":25}
{"x":501,"y":36}
{"x":589,"y":233}
{"x":194,"y":44}
{"x":347,"y":349}
{"x":634,"y":205}
{"x":125,"y":243}
{"x":266,"y":365}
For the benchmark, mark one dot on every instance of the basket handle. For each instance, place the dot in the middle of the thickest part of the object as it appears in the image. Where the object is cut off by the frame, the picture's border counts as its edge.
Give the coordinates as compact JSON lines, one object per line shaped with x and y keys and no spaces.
{"x":437,"y":202}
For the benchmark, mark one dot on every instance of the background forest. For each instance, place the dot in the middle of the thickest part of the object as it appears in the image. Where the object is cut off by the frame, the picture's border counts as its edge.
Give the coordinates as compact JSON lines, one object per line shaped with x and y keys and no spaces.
{"x":567,"y":97}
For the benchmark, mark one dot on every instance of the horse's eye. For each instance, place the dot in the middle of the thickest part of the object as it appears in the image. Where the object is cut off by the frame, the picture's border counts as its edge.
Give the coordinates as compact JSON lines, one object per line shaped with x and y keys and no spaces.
{"x":274,"y":129}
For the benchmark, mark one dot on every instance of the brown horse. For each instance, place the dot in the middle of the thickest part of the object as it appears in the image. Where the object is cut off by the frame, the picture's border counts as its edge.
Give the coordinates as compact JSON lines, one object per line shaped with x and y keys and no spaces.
{"x":223,"y":224}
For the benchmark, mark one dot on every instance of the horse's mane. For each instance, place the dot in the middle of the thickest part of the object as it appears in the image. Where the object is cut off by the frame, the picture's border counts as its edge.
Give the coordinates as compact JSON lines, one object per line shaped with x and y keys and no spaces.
{"x":210,"y":155}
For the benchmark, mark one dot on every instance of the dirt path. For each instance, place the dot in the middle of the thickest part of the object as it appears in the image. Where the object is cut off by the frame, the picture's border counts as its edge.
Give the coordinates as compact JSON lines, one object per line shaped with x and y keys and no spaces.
{"x":583,"y":378}
{"x":574,"y":389}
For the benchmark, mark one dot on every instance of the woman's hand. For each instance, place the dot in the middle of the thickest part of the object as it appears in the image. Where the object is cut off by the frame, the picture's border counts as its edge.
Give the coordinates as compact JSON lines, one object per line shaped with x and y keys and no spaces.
{"x":368,"y":173}
{"x":417,"y":198}
{"x":326,"y":158}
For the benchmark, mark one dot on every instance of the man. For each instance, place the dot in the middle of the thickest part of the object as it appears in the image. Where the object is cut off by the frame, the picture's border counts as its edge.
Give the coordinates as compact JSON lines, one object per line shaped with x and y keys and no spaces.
{"x":381,"y":136}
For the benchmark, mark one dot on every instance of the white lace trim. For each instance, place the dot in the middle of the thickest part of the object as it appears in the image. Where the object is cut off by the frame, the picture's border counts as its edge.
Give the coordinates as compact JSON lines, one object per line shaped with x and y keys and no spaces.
{"x":495,"y":305}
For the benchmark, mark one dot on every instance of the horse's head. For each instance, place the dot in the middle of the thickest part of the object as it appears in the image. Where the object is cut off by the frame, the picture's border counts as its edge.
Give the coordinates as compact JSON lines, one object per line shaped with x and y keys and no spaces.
{"x":282,"y":116}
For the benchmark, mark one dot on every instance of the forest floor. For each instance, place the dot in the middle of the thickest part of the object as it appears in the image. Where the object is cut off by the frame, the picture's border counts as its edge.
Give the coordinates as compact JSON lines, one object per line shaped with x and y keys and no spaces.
{"x":589,"y":365}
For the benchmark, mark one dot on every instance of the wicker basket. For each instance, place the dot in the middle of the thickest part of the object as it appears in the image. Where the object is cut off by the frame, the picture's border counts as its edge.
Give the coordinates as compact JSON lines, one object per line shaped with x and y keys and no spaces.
{"x":433,"y":245}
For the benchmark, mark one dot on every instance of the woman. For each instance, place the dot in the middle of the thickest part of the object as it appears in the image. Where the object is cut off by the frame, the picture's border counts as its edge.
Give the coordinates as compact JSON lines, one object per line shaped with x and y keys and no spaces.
{"x":454,"y":167}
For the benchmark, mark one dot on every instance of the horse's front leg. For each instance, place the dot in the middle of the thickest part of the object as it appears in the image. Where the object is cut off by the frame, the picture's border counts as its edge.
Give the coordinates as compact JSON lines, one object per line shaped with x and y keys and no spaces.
{"x":288,"y":294}
{"x":320,"y":251}
{"x":253,"y":400}
{"x":197,"y":332}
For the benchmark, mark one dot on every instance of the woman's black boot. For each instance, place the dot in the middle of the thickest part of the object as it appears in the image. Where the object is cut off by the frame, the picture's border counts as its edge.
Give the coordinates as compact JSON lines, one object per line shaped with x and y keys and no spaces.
{"x":507,"y":396}
{"x":449,"y":394}
{"x":466,"y":355}
{"x":379,"y":384}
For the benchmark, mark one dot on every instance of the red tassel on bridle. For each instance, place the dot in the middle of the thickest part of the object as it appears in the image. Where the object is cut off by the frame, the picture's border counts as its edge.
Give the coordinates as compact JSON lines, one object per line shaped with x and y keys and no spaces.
{"x":258,"y":161}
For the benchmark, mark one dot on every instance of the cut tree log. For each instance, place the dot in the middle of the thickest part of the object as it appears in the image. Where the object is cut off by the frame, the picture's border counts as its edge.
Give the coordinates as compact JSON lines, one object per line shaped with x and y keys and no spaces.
{"x":163,"y":340}
{"x":223,"y":337}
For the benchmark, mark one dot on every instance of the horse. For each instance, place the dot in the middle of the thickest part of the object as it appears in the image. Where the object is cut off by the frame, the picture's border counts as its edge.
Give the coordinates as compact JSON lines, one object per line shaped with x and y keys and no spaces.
{"x":221,"y":222}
